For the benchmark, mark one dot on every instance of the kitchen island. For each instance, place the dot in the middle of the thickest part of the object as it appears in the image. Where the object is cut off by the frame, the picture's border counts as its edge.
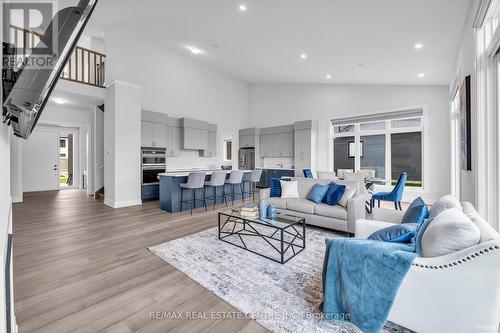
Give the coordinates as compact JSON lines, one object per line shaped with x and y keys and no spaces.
{"x":170,"y":191}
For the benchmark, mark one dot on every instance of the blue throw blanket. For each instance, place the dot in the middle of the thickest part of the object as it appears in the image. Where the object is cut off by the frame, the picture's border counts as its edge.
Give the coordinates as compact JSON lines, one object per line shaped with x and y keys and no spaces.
{"x":361,"y":279}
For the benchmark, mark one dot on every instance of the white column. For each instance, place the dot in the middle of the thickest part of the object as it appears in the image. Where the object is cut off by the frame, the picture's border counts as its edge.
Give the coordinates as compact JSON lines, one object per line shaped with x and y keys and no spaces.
{"x":122,"y":139}
{"x":16,"y":169}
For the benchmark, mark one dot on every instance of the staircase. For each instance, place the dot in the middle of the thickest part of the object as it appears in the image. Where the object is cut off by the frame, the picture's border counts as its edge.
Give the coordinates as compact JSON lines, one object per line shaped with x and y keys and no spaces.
{"x":99,"y":194}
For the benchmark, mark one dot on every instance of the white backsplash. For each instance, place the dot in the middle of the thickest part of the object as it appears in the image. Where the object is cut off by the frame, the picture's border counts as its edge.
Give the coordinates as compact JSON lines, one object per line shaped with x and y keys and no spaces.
{"x":274,"y":162}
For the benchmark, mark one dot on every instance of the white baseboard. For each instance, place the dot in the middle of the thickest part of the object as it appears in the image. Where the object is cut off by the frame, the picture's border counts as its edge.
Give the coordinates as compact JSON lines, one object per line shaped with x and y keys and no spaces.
{"x":121,"y":204}
{"x":17,"y":199}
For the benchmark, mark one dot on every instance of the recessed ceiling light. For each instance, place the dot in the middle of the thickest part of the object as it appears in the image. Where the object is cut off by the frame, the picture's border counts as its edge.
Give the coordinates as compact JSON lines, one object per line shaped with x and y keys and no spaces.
{"x":242,"y":7}
{"x":328,"y":76}
{"x":303,"y":56}
{"x":419,"y":46}
{"x":194,"y":50}
{"x":59,"y":100}
{"x":421,"y":75}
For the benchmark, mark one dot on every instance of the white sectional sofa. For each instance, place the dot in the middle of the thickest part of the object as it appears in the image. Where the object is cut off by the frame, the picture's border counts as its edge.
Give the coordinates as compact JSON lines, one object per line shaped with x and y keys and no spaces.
{"x":323,"y":215}
{"x":455,"y":293}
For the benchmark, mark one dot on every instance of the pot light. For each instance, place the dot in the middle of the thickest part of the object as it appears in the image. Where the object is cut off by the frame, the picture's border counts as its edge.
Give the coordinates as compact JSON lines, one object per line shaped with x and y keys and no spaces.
{"x":418,"y":46}
{"x":59,"y":100}
{"x":328,"y":76}
{"x":194,"y":50}
{"x":303,"y":56}
{"x":242,"y":8}
{"x":421,"y":75}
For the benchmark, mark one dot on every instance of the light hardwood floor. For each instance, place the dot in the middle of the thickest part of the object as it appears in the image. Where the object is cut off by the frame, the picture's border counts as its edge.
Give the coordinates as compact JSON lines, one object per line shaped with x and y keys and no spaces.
{"x":80,"y":266}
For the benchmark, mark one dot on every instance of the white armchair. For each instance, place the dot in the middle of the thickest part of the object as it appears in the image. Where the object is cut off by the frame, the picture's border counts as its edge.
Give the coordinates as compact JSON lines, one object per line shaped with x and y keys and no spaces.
{"x":458,"y":292}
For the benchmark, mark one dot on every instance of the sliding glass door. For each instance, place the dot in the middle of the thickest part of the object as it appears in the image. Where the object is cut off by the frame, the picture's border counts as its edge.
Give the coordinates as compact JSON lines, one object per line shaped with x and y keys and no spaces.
{"x":388,"y":146}
{"x":373,"y":157}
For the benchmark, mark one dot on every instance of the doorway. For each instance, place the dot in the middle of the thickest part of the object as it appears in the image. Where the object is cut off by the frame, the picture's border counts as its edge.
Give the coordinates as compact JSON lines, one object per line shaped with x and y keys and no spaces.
{"x":50,"y":159}
{"x":40,"y":162}
{"x":66,"y":161}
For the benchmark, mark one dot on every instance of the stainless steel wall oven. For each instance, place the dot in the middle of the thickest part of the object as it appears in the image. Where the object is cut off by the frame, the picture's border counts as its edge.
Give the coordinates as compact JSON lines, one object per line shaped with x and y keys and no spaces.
{"x":153,"y":163}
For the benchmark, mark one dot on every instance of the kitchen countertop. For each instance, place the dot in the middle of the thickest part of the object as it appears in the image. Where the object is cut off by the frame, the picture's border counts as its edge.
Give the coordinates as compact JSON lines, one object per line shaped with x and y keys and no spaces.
{"x":186,"y":173}
{"x":277,"y":168}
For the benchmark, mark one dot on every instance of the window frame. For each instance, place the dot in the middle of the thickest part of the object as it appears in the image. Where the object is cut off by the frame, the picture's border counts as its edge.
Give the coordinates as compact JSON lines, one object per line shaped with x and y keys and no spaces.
{"x":388,"y":131}
{"x":225,"y":150}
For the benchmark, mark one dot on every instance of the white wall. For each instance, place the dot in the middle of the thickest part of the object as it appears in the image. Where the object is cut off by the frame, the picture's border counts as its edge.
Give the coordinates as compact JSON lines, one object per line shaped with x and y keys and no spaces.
{"x":464,"y":65}
{"x":16,"y":176}
{"x":97,"y":157}
{"x":63,"y":119}
{"x":122,"y":139}
{"x":281,"y":104}
{"x":178,"y":86}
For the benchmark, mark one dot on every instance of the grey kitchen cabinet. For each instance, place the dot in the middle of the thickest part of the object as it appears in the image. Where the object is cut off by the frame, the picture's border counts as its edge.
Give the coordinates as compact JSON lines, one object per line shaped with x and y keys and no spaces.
{"x":160,"y":135}
{"x":153,"y":134}
{"x":194,"y":134}
{"x":277,"y":144}
{"x":147,"y":134}
{"x":247,"y":141}
{"x":173,"y":141}
{"x":305,"y":145}
{"x":211,"y":150}
{"x":174,"y":137}
{"x":285,"y":144}
{"x":266,"y":142}
{"x":249,"y":138}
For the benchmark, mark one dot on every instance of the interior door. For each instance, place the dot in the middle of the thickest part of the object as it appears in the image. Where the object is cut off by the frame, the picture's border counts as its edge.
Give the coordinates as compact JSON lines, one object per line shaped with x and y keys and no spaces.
{"x":40,"y":162}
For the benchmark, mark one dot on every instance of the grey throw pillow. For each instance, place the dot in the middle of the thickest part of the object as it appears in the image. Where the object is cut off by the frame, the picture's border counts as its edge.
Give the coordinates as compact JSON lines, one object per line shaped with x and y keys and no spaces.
{"x":449,"y":232}
{"x":446,"y":202}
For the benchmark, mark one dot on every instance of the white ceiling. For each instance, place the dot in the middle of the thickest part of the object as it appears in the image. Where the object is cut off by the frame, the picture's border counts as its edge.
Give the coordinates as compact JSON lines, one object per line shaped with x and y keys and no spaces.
{"x":264,"y":43}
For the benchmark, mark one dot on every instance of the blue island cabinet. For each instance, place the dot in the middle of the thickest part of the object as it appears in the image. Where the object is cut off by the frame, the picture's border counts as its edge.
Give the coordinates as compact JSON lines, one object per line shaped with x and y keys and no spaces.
{"x":150,"y":192}
{"x":170,"y":194}
{"x":267,"y":174}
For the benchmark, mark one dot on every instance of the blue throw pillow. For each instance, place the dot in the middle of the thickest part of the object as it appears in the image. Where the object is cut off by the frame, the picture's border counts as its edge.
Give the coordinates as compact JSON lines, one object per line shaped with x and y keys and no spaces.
{"x":416,"y":213}
{"x":420,"y":234}
{"x":317,"y":193}
{"x":334,"y":194}
{"x":275,"y":186}
{"x":398,"y":233}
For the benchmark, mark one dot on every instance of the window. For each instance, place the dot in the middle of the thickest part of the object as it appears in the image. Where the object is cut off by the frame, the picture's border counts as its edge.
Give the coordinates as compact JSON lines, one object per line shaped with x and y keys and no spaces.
{"x":63,"y":147}
{"x":228,"y":150}
{"x":344,"y":129}
{"x":389,"y":145}
{"x":341,"y":153}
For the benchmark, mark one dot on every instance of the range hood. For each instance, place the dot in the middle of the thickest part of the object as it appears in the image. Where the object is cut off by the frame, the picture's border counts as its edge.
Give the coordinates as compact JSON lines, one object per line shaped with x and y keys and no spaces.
{"x":26,"y":92}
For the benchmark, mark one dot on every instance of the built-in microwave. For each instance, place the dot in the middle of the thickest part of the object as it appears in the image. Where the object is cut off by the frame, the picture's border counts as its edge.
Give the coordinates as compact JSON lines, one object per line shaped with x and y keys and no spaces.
{"x":153,"y":156}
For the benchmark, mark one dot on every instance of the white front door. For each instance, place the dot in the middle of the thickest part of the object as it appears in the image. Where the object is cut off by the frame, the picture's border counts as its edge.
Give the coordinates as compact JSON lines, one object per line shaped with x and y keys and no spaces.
{"x":40,"y":162}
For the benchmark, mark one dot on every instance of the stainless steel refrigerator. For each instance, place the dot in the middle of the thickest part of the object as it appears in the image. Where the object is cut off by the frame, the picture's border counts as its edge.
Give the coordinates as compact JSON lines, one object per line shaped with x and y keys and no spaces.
{"x":246,"y":159}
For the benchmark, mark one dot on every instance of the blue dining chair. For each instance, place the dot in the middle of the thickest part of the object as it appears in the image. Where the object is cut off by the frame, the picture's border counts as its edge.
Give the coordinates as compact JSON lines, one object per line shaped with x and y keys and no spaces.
{"x":396,"y":195}
{"x":308,"y":173}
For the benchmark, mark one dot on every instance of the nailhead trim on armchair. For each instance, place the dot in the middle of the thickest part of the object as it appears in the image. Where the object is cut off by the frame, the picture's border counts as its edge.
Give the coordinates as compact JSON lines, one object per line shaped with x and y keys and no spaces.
{"x":455,"y":263}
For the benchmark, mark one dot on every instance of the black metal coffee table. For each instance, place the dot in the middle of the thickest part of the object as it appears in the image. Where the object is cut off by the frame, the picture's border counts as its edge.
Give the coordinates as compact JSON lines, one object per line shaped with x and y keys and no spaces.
{"x":285,"y":236}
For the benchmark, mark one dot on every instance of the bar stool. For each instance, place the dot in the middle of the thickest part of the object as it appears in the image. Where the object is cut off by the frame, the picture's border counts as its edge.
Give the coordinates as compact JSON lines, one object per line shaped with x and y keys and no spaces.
{"x":196,"y":180}
{"x":235,"y":178}
{"x":252,"y":179}
{"x":217,"y":179}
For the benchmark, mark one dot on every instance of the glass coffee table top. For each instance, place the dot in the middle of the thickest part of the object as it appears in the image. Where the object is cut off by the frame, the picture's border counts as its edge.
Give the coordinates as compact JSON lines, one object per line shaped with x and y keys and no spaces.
{"x":282,"y":221}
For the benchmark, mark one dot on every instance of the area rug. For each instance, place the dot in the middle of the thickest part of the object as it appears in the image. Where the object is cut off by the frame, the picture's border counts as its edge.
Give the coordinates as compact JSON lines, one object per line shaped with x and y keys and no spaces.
{"x":281,"y":298}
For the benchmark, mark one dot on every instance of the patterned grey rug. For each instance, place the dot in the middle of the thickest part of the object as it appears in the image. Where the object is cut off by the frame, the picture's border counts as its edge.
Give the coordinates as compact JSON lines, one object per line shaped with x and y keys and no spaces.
{"x":282,"y":298}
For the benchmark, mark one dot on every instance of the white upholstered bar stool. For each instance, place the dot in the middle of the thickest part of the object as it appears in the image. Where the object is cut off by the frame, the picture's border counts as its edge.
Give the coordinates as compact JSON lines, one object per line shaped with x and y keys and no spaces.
{"x":217,"y":180}
{"x":252,"y":178}
{"x":196,"y":180}
{"x":235,"y":179}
